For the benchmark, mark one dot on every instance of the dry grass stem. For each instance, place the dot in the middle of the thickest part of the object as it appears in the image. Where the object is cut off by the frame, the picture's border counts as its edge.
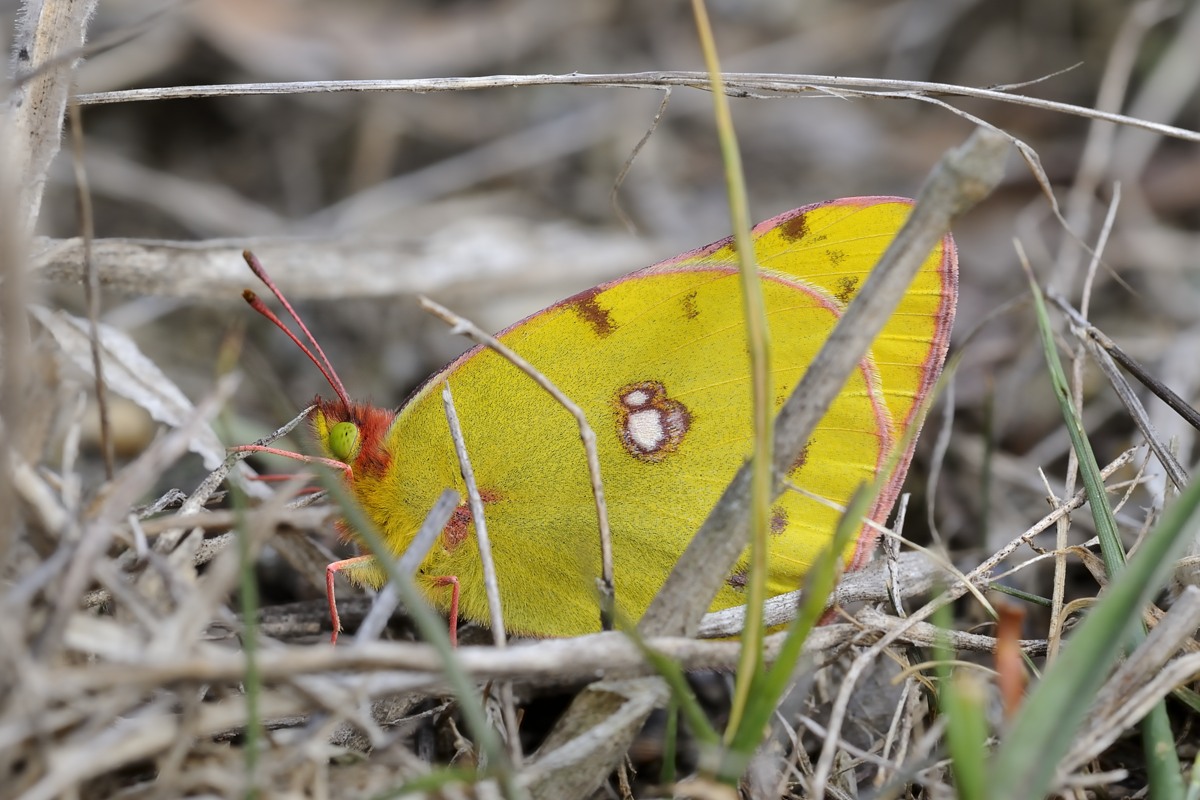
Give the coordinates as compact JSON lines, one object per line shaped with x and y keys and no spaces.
{"x":736,"y":84}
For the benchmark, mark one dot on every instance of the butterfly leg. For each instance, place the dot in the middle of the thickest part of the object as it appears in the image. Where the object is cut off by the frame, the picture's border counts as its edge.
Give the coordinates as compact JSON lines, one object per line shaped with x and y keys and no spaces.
{"x":452,"y":581}
{"x":329,"y":575}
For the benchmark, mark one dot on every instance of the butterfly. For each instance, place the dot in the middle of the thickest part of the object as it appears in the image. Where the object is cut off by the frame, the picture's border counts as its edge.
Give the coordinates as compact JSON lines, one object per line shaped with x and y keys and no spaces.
{"x":658,"y":362}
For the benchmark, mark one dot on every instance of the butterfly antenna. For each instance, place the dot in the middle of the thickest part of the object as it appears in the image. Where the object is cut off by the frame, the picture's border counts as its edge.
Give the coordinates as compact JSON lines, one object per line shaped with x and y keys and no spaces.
{"x":323,"y":363}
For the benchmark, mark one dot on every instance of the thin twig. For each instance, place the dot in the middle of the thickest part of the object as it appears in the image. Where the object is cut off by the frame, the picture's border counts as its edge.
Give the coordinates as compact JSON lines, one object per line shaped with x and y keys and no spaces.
{"x":1135,"y":368}
{"x":738,"y":84}
{"x":91,"y":286}
{"x":490,"y":582}
{"x":1089,"y":337}
{"x":618,"y":181}
{"x":472,"y":331}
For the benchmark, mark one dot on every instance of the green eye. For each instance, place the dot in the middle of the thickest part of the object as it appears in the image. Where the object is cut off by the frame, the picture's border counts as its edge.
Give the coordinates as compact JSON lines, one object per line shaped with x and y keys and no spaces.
{"x":343,"y":438}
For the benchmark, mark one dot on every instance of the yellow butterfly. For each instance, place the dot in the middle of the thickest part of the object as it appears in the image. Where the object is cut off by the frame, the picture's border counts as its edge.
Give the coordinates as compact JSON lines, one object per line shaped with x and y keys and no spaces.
{"x":658,"y":362}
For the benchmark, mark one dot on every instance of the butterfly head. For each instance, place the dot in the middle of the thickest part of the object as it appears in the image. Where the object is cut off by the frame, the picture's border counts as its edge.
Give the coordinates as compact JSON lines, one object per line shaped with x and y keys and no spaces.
{"x":354,"y":433}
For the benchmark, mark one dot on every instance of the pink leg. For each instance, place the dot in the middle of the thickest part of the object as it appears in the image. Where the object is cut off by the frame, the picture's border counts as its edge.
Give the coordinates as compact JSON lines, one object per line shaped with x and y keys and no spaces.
{"x":329,"y":574}
{"x":452,"y":580}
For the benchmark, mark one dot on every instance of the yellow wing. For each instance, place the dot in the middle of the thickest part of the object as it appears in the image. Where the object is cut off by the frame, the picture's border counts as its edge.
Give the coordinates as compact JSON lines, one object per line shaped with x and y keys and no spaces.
{"x":658,"y":362}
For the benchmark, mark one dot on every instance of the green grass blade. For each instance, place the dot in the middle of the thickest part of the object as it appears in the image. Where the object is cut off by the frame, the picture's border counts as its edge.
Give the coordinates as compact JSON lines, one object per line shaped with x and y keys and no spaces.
{"x":761,"y":379}
{"x":819,"y":583}
{"x":963,"y":702}
{"x":672,"y":673}
{"x":1165,"y":773}
{"x":1042,"y":733}
{"x":1158,"y":742}
{"x":1188,"y":697}
{"x":249,"y":600}
{"x":670,"y":743}
{"x":1111,"y":548}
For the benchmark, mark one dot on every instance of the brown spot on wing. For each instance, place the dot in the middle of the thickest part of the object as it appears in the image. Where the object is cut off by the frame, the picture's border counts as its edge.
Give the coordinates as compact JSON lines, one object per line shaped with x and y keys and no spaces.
{"x":737,"y":580}
{"x":650,"y":424}
{"x":458,"y":529}
{"x":795,"y":228}
{"x":779,"y":520}
{"x":846,"y":287}
{"x":801,"y":459}
{"x":588,"y":307}
{"x":688,"y":303}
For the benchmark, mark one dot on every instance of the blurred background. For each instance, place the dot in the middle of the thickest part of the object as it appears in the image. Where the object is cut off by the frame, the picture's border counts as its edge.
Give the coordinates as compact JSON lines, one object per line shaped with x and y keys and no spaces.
{"x":498,"y":202}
